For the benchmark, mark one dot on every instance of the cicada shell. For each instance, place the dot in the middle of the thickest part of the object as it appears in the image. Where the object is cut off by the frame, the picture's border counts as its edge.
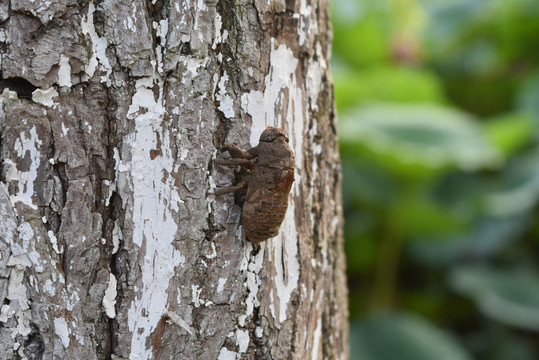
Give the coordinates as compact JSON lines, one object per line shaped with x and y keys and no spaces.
{"x":272,"y":163}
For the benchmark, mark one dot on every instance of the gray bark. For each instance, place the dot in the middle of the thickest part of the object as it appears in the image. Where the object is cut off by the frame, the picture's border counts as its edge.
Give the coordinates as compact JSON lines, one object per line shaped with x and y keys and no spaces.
{"x":110,"y":246}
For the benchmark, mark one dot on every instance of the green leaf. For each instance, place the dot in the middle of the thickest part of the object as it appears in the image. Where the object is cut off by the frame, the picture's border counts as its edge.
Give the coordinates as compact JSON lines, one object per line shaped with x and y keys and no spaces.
{"x":417,"y":139}
{"x":402,"y":337}
{"x":360,"y":246}
{"x":483,"y":50}
{"x":497,"y":342}
{"x":420,"y":216}
{"x":362,"y":42}
{"x":511,"y":192}
{"x":386,"y":83}
{"x":510,"y":132}
{"x":365,"y":184}
{"x":526,"y":99}
{"x":508,"y":296}
{"x":516,"y":189}
{"x":486,"y":238}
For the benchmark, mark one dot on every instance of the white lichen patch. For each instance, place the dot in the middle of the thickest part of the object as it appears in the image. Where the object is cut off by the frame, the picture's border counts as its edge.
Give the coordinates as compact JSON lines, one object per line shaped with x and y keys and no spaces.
{"x":111,"y":186}
{"x":304,"y":30}
{"x":117,"y":236}
{"x":48,"y":287}
{"x":146,"y":180}
{"x":6,"y":312}
{"x":226,"y":354}
{"x":217,"y":32}
{"x":164,"y":31}
{"x":213,"y":252}
{"x":98,"y":50}
{"x":7,"y":94}
{"x":143,"y":102}
{"x":10,"y":169}
{"x":242,"y":338}
{"x":195,"y":295}
{"x":314,"y":82}
{"x":317,"y":337}
{"x":26,"y":144}
{"x":263,"y":106}
{"x":109,"y":300}
{"x":64,"y":71}
{"x":62,"y":330}
{"x":191,"y":64}
{"x":253,"y":265}
{"x":54,"y":242}
{"x":221,"y":284}
{"x":283,"y":254}
{"x":64,"y":129}
{"x":44,"y":97}
{"x":161,"y":30}
{"x":226,"y":104}
{"x":72,"y":297}
{"x":18,"y":298}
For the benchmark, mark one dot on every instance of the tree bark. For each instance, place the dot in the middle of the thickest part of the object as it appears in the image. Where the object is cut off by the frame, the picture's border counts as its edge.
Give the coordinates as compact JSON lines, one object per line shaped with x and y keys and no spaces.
{"x":110,"y":246}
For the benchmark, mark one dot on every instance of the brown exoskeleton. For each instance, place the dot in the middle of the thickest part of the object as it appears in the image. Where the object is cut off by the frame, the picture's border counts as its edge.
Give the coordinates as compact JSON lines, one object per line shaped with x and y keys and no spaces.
{"x":272,"y":163}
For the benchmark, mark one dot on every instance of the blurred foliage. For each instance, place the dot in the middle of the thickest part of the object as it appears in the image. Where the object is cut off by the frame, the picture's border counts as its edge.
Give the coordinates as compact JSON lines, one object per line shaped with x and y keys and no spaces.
{"x":438,"y":103}
{"x":403,"y":336}
{"x":508,"y":296}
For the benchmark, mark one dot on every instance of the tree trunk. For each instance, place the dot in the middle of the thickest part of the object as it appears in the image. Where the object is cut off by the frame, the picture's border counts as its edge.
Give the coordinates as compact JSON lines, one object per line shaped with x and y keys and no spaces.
{"x":111,"y":246}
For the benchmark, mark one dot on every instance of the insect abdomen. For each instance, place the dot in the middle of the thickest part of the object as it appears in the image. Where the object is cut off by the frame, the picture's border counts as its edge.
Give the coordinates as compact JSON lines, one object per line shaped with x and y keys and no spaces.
{"x":264,"y":210}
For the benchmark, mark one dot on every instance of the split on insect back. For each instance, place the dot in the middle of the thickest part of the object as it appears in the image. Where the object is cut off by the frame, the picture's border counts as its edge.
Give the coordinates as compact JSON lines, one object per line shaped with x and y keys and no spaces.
{"x":272,"y":166}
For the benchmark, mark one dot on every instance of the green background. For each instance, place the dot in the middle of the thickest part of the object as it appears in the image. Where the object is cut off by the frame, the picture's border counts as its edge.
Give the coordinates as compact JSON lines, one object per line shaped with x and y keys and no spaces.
{"x":438,"y":107}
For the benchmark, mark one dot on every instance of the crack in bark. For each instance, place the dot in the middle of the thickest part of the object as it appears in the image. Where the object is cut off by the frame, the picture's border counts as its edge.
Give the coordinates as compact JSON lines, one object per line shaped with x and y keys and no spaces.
{"x":34,"y":347}
{"x":20,"y":85}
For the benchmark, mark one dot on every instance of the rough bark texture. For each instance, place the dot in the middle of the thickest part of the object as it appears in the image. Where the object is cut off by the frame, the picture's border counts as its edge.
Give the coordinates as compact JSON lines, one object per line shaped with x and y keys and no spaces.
{"x":110,"y":247}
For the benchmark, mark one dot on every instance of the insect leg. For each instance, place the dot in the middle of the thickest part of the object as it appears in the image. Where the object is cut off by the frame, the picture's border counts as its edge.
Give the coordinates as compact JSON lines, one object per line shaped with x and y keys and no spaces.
{"x":235,"y":151}
{"x":243,"y":162}
{"x":229,"y":189}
